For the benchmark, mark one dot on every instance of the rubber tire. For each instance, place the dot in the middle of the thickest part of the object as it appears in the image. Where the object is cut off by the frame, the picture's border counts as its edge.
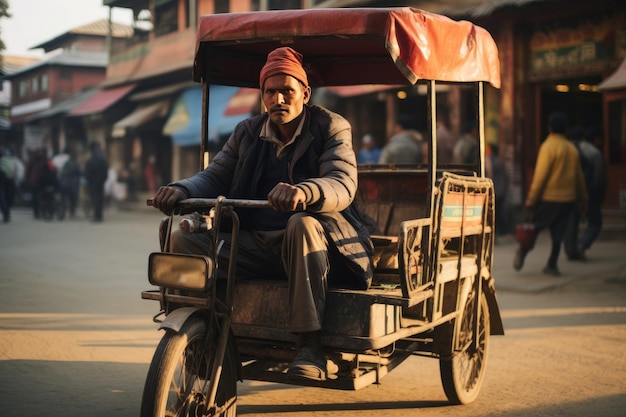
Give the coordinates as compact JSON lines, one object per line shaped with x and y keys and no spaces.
{"x":462,"y":375}
{"x":161,"y":389}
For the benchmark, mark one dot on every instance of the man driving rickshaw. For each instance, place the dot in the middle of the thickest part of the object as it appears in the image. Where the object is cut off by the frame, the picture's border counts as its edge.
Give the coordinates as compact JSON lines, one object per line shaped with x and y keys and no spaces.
{"x":292,"y":155}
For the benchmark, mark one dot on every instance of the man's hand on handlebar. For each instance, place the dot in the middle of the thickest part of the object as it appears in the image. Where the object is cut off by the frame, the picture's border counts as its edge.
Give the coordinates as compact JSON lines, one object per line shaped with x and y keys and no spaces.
{"x":166,"y":198}
{"x":286,"y":197}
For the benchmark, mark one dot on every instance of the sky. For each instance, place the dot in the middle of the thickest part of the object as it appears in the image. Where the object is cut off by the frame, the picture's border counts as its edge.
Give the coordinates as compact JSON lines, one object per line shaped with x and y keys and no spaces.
{"x":36,"y":21}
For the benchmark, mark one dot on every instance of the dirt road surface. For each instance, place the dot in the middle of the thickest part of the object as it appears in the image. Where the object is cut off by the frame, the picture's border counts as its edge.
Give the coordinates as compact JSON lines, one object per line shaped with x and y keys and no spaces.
{"x":76,"y":339}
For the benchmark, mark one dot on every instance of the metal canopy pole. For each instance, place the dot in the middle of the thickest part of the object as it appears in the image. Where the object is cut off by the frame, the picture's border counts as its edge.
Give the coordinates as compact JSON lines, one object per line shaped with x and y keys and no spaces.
{"x":481,"y":127}
{"x":204,"y":143}
{"x":432,"y":153}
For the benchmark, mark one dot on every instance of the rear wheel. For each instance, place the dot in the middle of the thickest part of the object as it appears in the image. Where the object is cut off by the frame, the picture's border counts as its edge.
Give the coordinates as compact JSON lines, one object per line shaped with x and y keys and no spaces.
{"x":178,"y":378}
{"x":462,"y":375}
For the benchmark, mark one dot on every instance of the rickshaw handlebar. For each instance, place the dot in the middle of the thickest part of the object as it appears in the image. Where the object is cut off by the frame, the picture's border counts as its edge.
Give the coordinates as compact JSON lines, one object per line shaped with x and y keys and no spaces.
{"x":212,"y":202}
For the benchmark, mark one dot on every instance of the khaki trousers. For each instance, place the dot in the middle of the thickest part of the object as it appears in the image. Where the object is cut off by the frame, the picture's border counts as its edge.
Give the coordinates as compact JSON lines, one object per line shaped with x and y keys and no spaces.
{"x":299,"y":253}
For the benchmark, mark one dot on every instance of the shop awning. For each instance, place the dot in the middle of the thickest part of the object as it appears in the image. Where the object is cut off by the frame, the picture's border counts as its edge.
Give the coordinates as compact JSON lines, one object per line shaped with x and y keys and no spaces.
{"x":142,"y":115}
{"x":243,"y":102}
{"x":101,"y":101}
{"x":65,"y":106}
{"x":184,"y":123}
{"x":161,"y":92}
{"x":615,"y":81}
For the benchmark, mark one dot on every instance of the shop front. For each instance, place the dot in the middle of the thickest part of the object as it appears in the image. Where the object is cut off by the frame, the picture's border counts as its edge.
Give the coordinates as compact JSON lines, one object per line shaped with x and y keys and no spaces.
{"x":568,"y":59}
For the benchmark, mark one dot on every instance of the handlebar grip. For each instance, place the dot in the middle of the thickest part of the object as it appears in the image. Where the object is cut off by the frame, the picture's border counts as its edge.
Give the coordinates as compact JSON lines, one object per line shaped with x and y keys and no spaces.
{"x":188,"y":226}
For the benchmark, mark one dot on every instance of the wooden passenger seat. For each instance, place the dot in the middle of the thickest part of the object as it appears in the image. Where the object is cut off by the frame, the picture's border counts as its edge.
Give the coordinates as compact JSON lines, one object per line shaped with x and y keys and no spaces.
{"x":390,"y":195}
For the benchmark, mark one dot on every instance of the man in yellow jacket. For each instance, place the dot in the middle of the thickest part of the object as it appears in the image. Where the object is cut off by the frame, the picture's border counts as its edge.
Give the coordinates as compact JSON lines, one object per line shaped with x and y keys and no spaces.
{"x":557,"y":186}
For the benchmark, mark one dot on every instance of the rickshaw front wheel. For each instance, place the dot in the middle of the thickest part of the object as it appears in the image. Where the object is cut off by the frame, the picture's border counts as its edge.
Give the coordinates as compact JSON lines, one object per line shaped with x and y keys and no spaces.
{"x":462,"y":374}
{"x":178,"y":378}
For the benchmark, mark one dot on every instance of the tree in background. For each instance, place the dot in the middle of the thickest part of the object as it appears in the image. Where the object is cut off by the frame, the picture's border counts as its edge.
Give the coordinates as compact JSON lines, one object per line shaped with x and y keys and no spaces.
{"x":4,"y":12}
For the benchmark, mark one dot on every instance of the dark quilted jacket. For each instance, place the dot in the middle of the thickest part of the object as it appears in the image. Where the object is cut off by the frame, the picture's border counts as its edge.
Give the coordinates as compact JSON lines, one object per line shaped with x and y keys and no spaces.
{"x":323,"y":165}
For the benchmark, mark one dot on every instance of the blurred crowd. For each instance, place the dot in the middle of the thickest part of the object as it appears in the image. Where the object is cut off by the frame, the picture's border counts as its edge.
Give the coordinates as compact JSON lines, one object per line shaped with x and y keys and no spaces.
{"x":54,"y":186}
{"x":408,"y":146}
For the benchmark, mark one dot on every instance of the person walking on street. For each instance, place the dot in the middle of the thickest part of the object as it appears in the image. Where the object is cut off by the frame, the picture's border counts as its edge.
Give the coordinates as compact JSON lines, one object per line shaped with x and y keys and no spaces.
{"x":595,"y":180}
{"x":96,"y":173}
{"x":570,"y":240}
{"x":557,"y":185}
{"x":294,"y":154}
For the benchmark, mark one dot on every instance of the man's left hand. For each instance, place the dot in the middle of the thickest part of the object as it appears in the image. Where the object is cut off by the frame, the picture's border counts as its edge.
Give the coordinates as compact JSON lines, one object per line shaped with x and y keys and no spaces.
{"x":286,"y":197}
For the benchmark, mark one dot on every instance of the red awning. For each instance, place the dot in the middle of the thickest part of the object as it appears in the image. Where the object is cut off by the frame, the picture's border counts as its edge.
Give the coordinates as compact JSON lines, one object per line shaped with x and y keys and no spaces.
{"x":101,"y":101}
{"x":615,"y":81}
{"x":347,"y":46}
{"x":243,"y":102}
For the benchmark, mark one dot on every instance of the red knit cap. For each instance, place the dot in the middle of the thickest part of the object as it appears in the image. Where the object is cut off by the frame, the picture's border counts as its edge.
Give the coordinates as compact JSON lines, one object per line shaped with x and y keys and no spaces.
{"x":283,"y":61}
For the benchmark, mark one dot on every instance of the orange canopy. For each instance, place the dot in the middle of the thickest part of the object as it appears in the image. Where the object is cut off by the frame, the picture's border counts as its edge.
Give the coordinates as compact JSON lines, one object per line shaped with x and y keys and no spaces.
{"x":347,"y":46}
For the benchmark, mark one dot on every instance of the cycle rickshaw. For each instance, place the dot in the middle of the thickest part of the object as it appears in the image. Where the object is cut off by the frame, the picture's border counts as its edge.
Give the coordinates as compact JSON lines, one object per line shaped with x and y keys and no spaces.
{"x":433,"y":292}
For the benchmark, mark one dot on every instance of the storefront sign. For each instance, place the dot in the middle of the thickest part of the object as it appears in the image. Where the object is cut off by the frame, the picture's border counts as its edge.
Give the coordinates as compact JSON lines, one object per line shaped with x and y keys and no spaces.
{"x":567,"y":46}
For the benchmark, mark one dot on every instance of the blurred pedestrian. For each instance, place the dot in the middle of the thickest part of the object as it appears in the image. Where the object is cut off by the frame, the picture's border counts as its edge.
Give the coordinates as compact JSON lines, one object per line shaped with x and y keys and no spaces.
{"x":59,"y":159}
{"x":557,"y":185}
{"x":445,"y":140}
{"x":369,"y":152}
{"x":405,"y":146}
{"x":151,"y":174}
{"x":96,"y":173}
{"x":7,"y":182}
{"x":496,"y":170}
{"x":596,"y":181}
{"x":40,"y":177}
{"x":465,"y":150}
{"x":69,"y":182}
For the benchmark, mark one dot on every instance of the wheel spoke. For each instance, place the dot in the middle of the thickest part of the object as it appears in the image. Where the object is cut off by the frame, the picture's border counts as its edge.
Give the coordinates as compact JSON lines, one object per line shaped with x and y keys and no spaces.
{"x":178,"y":379}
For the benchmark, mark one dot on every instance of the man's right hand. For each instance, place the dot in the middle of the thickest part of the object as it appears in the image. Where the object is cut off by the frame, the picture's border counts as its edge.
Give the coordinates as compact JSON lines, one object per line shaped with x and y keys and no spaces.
{"x":166,"y":198}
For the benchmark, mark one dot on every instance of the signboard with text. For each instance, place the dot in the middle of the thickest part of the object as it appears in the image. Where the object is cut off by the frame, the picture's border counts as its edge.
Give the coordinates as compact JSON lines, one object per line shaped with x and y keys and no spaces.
{"x":576,"y":46}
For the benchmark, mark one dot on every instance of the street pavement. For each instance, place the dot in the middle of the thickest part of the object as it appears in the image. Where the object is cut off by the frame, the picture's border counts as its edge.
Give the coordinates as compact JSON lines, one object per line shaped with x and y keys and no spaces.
{"x":605,"y":259}
{"x":74,"y":331}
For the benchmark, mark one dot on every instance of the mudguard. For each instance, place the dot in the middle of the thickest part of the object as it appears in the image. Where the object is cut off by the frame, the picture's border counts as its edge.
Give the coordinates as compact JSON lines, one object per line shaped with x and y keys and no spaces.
{"x":489,"y":288}
{"x":175,"y":320}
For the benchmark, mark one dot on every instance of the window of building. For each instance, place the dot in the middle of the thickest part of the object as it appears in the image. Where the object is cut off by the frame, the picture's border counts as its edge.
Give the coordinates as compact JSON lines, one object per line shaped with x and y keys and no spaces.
{"x":284,"y":4}
{"x":222,"y":6}
{"x":144,"y":21}
{"x":35,"y":85}
{"x":165,"y":17}
{"x":255,"y":5}
{"x":44,"y":82}
{"x":23,"y":89}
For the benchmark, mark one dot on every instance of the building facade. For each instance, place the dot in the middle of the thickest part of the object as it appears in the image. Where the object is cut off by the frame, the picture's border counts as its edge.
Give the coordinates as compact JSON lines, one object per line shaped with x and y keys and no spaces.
{"x":553,"y":53}
{"x":44,"y":91}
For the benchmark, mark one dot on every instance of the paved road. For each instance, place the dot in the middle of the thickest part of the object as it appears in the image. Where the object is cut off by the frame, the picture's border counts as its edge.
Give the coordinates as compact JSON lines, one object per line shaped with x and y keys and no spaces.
{"x":76,"y":339}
